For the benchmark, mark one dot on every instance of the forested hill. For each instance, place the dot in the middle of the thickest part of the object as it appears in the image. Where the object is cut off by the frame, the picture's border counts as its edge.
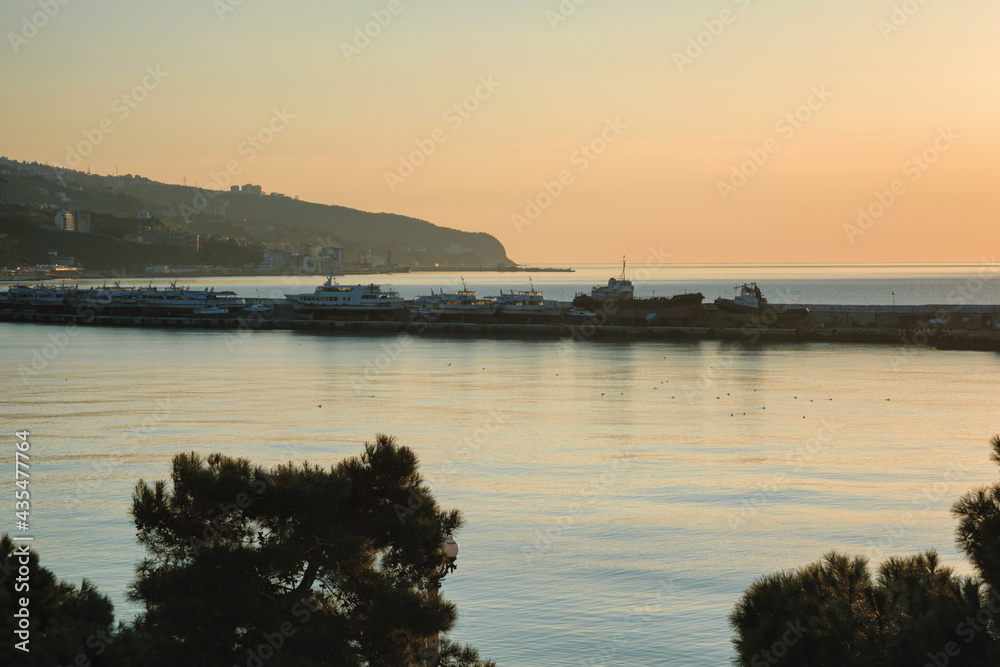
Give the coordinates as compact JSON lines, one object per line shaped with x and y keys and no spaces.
{"x":265,"y":217}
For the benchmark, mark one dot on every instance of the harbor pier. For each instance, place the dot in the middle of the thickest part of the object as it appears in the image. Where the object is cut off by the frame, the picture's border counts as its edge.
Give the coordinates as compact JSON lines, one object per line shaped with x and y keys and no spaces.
{"x":960,"y":327}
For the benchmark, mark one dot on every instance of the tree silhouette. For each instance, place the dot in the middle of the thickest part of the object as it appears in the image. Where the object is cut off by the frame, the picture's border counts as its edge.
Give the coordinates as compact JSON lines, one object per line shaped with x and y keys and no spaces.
{"x":914,"y":612}
{"x":295,"y":565}
{"x":64,"y":622}
{"x":835,"y":613}
{"x":979,"y":526}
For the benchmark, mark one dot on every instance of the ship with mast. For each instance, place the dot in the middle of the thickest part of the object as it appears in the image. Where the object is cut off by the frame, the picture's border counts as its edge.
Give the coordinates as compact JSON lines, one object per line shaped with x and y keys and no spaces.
{"x":750,"y":302}
{"x":460,"y":306}
{"x":616,"y":304}
{"x":528,"y":307}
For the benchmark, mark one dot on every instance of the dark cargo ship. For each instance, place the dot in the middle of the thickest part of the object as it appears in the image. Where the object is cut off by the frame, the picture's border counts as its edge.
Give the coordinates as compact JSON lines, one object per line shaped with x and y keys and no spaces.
{"x":617,"y":305}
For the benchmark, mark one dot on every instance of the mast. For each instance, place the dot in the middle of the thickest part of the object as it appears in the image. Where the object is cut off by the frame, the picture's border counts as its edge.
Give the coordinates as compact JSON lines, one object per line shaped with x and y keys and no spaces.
{"x":622,"y":278}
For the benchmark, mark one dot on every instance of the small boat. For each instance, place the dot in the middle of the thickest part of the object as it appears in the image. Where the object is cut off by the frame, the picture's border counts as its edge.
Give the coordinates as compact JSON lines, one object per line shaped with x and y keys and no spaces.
{"x":211,"y":310}
{"x":582,"y":315}
{"x":751,"y":301}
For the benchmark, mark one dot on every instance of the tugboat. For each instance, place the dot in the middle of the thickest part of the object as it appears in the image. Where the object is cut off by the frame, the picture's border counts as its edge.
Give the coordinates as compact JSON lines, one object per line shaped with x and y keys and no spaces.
{"x":751,"y":302}
{"x":617,"y":305}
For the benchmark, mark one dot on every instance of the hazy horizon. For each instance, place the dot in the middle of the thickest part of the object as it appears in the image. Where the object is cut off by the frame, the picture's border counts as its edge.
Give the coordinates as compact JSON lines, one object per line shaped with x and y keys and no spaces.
{"x":738,"y":131}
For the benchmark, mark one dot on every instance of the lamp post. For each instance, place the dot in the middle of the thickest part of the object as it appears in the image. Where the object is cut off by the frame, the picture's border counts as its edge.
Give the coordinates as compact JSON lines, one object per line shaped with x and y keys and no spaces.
{"x":450,"y":547}
{"x":451,"y":552}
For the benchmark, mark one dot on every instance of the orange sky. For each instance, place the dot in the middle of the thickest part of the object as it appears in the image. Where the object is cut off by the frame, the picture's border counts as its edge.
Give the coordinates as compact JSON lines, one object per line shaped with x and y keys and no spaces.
{"x":724,"y":131}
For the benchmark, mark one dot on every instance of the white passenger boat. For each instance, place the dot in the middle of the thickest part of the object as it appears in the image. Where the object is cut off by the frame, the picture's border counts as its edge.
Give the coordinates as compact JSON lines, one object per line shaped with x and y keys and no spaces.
{"x":350,"y":301}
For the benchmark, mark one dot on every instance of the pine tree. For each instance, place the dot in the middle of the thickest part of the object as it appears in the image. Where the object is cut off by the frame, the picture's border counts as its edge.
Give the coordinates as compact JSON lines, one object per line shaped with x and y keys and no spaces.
{"x":295,"y":565}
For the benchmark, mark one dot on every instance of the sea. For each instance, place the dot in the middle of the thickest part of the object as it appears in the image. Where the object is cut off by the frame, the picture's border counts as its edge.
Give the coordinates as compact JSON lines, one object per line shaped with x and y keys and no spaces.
{"x":618,"y":496}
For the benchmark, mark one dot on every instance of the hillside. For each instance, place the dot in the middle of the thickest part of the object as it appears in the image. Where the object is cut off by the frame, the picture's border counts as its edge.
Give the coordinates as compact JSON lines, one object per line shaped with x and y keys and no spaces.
{"x":27,"y":237}
{"x":269,"y":219}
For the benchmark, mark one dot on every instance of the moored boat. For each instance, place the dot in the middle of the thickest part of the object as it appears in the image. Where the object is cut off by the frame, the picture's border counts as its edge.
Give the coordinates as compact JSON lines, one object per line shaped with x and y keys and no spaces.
{"x":528,"y":307}
{"x":41,"y":298}
{"x":616,"y":304}
{"x":750,"y":302}
{"x":460,"y":306}
{"x":366,"y":302}
{"x":175,"y":300}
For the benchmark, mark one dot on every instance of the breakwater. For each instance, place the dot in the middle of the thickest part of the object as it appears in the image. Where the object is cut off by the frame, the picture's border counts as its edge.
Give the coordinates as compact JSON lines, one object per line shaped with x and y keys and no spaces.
{"x":960,"y":327}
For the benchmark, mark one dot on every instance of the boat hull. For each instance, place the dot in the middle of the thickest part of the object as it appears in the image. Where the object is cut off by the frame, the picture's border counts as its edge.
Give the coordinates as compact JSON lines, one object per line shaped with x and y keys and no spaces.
{"x":678,"y":310}
{"x":475,"y":314}
{"x":781,"y":313}
{"x":530,"y":315}
{"x":348,"y":312}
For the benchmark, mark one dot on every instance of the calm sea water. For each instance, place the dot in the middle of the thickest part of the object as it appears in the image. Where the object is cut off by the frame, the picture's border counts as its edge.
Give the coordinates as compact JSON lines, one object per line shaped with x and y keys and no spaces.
{"x":619,"y":497}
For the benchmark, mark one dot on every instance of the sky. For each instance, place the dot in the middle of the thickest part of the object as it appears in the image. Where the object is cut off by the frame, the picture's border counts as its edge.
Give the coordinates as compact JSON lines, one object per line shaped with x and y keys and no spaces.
{"x":680,"y":131}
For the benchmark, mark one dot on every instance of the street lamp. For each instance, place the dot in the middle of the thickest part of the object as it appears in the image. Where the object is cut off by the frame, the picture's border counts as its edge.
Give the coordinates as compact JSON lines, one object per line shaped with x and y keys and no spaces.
{"x":432,"y":653}
{"x":451,"y":552}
